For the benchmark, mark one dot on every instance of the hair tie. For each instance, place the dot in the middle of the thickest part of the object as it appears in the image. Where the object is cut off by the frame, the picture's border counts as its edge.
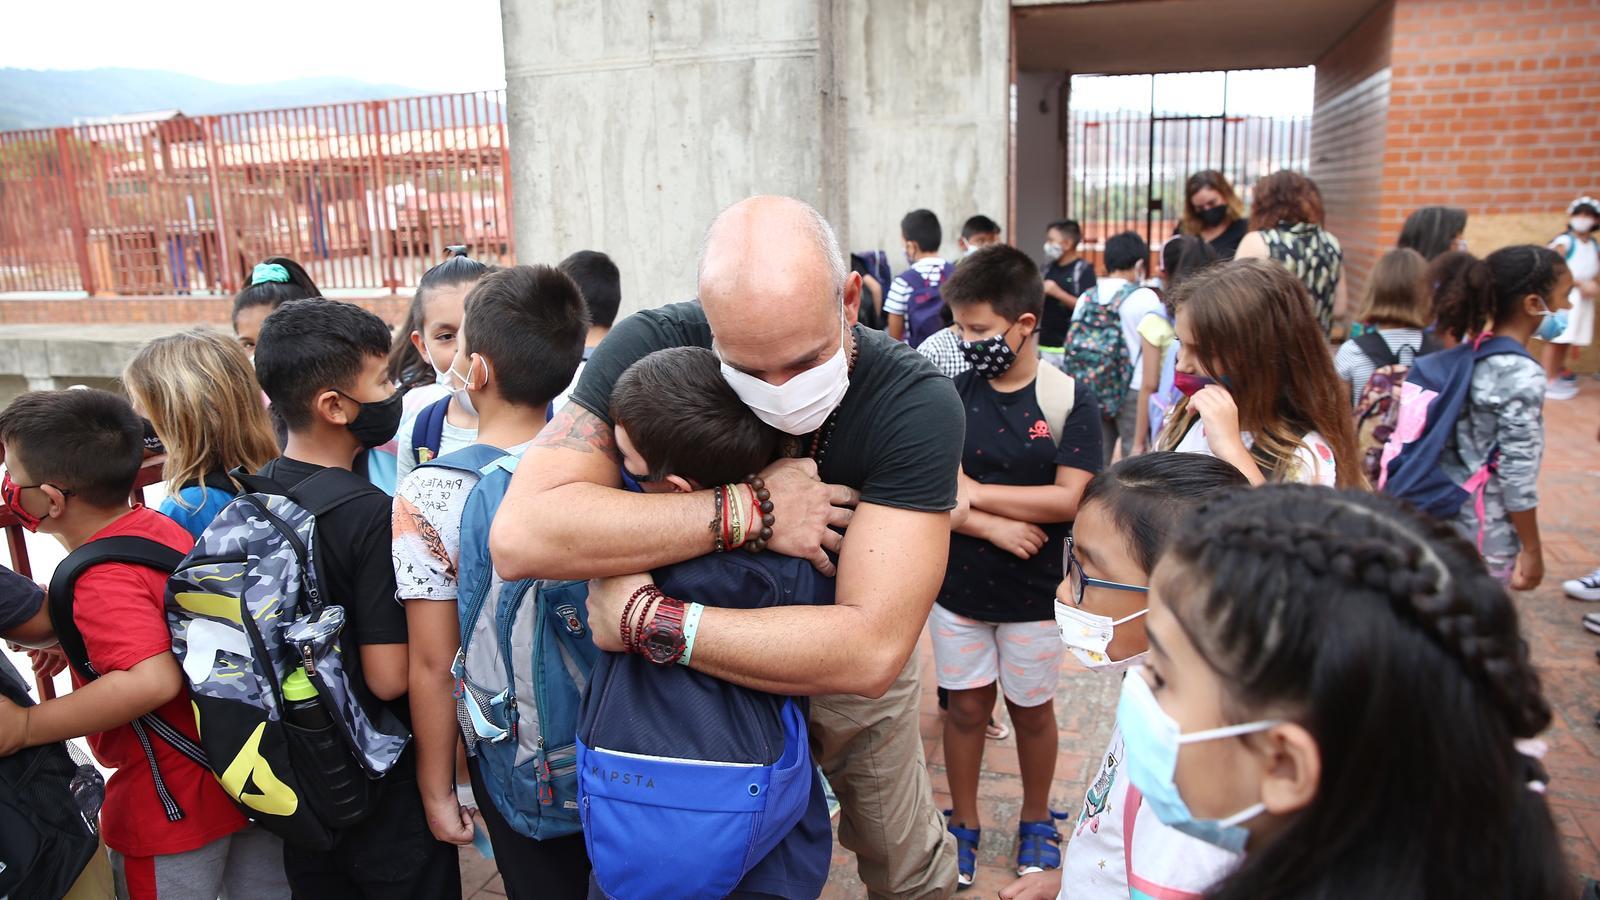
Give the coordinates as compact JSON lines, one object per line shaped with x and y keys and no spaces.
{"x":265,"y":273}
{"x":455,"y":250}
{"x":1533,"y":751}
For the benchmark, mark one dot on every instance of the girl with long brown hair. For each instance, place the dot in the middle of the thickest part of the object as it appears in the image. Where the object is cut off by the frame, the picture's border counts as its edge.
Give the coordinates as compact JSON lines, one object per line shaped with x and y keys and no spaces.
{"x":1258,"y":379}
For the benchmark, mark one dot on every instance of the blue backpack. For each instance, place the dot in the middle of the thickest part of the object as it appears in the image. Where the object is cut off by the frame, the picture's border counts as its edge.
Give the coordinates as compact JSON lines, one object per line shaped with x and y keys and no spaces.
{"x":428,"y":430}
{"x":524,"y":662}
{"x":925,"y":306}
{"x":1432,"y":401}
{"x":688,"y":782}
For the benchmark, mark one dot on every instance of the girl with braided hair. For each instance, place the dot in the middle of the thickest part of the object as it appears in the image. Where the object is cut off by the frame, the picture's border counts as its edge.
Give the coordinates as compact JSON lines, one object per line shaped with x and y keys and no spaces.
{"x":1259,"y":386}
{"x":1338,"y":687}
{"x":1511,"y":293}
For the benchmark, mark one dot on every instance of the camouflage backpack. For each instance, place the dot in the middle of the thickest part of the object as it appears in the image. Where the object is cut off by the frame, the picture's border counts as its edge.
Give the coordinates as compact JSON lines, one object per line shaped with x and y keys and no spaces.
{"x":246,"y":612}
{"x":1097,"y":353}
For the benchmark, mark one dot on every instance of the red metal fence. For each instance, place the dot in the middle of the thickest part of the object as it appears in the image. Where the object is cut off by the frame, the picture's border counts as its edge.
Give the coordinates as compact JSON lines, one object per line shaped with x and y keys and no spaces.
{"x":365,"y":194}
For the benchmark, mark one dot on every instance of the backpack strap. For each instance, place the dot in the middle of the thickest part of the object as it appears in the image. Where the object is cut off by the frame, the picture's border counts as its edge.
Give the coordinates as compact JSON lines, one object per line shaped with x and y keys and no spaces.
{"x":428,"y":431}
{"x":325,"y":490}
{"x":914,"y":279}
{"x":137,"y":551}
{"x":1377,"y":350}
{"x":125,"y":548}
{"x":1123,"y":293}
{"x":474,"y":458}
{"x":1055,"y":390}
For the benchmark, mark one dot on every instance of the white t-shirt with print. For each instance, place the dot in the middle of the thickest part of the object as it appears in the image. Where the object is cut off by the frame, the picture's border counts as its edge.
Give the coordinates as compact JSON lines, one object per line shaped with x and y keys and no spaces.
{"x":1135,"y":307}
{"x":1162,"y":861}
{"x":1313,"y":459}
{"x":427,"y":530}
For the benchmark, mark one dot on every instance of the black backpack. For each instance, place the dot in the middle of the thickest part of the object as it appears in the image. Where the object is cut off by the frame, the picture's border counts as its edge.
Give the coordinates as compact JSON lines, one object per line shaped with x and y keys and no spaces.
{"x":138,"y":551}
{"x":49,"y":812}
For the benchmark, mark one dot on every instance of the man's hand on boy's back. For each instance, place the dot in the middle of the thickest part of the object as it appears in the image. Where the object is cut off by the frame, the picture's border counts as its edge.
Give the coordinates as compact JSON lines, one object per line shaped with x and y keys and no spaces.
{"x":803,"y":508}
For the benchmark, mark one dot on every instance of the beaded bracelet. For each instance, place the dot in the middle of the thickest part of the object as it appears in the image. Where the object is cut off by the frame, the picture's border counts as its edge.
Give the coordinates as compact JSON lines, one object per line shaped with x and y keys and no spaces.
{"x":737,"y":516}
{"x":627,"y":614}
{"x":763,"y":503}
{"x":653,"y":598}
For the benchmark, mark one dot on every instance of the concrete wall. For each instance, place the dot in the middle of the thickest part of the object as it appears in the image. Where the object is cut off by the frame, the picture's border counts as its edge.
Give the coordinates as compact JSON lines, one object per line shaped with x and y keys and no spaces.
{"x":1347,"y":140}
{"x":926,"y":88}
{"x":1041,"y":158}
{"x":633,"y":122}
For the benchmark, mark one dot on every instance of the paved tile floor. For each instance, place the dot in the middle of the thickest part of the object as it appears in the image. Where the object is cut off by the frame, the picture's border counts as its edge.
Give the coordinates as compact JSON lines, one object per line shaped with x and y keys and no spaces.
{"x":1570,"y":516}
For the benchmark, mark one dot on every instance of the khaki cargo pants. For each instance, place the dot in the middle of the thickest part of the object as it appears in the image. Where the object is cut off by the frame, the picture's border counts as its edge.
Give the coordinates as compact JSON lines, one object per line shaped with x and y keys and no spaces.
{"x":871,"y":751}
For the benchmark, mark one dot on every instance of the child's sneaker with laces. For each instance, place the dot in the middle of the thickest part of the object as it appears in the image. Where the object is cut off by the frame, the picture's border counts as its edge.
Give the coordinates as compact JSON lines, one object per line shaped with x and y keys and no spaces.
{"x":1585,"y":588}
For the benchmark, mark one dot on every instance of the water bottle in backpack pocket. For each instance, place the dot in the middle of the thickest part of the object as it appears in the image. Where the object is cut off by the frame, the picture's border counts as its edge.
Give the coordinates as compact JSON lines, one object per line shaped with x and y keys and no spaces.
{"x":337,"y":788}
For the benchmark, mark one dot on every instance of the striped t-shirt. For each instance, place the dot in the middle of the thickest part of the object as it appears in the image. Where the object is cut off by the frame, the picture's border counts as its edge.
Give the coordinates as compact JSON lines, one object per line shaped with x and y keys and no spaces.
{"x":1356,"y":367}
{"x":931,"y":268}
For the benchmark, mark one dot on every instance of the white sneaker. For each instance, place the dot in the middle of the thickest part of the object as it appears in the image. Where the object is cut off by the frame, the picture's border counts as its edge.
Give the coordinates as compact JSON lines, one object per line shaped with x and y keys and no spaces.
{"x":1592,"y":623}
{"x":1585,"y":588}
{"x":1556,"y":389}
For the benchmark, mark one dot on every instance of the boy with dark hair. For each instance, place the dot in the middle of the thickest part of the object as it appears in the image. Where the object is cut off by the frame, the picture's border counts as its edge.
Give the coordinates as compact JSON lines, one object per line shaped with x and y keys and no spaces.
{"x":523,"y":336}
{"x":1120,"y":294}
{"x":913,"y":306}
{"x":1032,"y":444}
{"x":323,"y":365}
{"x":978,"y":232}
{"x":1066,"y":276}
{"x":72,"y":457}
{"x":680,"y":427}
{"x":600,"y":283}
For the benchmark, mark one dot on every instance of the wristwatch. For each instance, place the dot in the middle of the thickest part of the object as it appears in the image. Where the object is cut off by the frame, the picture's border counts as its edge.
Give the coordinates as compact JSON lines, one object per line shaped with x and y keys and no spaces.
{"x":662,"y":642}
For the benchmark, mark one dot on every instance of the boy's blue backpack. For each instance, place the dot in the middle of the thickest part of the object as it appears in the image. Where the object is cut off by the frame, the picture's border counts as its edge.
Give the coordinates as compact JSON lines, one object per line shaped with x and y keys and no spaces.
{"x":689,"y":782}
{"x":428,"y":430}
{"x":1097,"y":353}
{"x":524,"y":662}
{"x":1432,"y":401}
{"x":925,"y":306}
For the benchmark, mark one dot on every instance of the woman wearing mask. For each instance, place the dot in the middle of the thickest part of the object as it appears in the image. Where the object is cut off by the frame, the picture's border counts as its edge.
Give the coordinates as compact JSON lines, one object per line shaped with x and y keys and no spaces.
{"x":1211,"y":210}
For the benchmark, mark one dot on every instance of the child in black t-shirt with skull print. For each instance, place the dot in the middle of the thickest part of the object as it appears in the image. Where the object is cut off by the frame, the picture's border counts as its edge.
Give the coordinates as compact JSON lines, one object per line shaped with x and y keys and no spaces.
{"x":1032,"y":444}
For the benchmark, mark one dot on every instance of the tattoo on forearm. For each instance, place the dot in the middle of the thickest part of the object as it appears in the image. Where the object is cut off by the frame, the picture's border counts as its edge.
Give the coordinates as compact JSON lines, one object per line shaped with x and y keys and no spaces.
{"x":575,"y":428}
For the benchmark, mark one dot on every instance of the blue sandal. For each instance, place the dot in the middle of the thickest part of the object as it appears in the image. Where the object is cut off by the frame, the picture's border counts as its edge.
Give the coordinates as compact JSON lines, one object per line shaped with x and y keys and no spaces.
{"x":966,"y":852}
{"x":1039,"y":845}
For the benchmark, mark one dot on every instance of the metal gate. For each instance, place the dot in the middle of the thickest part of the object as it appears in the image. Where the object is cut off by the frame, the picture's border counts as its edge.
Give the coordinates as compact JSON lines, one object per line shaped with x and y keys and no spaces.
{"x":1127,"y":169}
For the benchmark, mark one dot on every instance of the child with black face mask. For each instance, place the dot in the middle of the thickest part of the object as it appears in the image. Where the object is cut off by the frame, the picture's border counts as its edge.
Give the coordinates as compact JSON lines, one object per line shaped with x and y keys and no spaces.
{"x":323,"y":364}
{"x":1032,"y":443}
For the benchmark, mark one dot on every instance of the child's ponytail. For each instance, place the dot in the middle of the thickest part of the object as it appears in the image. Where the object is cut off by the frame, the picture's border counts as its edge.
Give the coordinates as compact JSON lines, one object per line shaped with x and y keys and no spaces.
{"x":1477,"y":296}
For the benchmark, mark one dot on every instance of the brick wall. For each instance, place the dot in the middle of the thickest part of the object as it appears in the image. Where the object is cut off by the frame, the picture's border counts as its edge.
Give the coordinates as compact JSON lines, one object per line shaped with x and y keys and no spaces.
{"x":1347,"y":138}
{"x":1495,"y":107}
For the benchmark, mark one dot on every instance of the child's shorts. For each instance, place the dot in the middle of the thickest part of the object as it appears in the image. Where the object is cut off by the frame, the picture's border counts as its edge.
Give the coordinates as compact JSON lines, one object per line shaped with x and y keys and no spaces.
{"x":1580,"y":321}
{"x":1025,"y":657}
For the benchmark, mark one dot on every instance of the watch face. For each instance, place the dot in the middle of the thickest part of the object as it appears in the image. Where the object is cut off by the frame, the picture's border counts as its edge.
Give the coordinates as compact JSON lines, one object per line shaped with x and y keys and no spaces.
{"x":663,"y":643}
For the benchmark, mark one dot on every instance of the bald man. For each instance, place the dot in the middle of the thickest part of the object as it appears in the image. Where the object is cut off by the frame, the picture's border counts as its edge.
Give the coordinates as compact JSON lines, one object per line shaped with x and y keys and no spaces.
{"x":883,"y":429}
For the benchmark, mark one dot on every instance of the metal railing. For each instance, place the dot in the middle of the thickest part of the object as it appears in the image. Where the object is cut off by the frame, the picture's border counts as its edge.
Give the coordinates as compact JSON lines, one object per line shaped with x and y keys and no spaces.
{"x":365,"y":194}
{"x":1126,"y":170}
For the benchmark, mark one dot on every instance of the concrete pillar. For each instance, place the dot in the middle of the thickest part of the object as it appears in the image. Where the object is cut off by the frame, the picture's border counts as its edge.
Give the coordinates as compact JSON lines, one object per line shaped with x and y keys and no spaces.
{"x":633,"y":122}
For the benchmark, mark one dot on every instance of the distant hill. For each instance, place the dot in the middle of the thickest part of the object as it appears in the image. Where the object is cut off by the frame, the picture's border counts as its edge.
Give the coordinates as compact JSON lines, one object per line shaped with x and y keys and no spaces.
{"x":31,"y":98}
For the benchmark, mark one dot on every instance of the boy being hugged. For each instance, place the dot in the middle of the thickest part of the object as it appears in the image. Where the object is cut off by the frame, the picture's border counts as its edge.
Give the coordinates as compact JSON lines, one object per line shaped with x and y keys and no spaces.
{"x":323,"y":364}
{"x":71,"y":458}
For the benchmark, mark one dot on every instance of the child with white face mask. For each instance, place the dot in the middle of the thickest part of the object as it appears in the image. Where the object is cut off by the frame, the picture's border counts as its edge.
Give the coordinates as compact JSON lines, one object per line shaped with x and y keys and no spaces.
{"x":1127,"y":514}
{"x":1338,"y":688}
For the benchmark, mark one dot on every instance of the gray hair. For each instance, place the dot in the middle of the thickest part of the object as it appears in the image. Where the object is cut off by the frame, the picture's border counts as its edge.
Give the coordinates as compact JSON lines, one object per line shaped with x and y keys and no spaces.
{"x":816,"y":228}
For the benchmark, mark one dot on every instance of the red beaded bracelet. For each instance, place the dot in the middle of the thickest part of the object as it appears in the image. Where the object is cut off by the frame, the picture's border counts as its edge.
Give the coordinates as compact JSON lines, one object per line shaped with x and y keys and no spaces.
{"x":627,"y":614}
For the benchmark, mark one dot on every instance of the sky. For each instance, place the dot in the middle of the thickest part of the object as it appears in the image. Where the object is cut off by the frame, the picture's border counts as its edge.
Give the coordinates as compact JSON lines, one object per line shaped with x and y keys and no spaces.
{"x":1259,"y":92}
{"x":427,"y":44}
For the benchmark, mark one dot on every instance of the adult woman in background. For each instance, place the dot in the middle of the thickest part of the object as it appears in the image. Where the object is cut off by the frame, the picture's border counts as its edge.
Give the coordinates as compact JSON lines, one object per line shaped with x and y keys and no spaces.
{"x":1212,"y":211}
{"x":1286,"y":221}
